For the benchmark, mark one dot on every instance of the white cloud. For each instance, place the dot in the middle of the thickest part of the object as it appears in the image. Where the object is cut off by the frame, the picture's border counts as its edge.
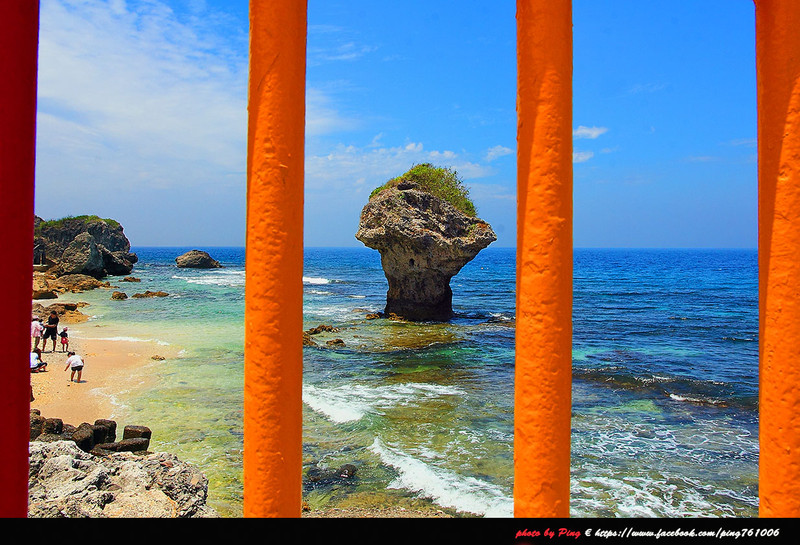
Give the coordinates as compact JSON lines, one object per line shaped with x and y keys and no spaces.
{"x":588,"y":132}
{"x":322,"y":117}
{"x":497,"y":152}
{"x":133,"y":95}
{"x":344,"y":166}
{"x":746,"y":142}
{"x":581,"y":156}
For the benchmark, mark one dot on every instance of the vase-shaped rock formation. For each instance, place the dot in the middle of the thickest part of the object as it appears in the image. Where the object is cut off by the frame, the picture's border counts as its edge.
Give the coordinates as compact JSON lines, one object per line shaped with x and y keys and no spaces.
{"x":423,"y":241}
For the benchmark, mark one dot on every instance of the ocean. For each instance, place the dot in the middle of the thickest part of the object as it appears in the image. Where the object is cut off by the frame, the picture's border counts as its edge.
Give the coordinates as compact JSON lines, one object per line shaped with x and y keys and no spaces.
{"x":665,"y":381}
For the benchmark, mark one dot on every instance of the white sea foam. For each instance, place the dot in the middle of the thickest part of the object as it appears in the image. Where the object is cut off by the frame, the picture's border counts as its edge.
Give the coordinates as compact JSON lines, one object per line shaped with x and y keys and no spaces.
{"x":127,"y":339}
{"x":696,"y":400}
{"x":637,"y":497}
{"x":315,"y":280}
{"x":445,"y":487}
{"x":352,"y":402}
{"x":330,"y":312}
{"x":335,"y":404}
{"x":229,"y":278}
{"x":320,"y":292}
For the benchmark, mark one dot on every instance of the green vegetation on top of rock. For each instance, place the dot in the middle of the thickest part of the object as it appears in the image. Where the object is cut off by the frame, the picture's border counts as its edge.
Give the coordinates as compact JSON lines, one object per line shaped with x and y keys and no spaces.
{"x":440,"y":182}
{"x":87,"y":218}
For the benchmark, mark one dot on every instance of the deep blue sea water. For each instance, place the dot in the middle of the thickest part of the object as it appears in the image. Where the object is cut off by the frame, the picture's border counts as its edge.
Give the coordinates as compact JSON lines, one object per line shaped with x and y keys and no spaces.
{"x":665,"y":381}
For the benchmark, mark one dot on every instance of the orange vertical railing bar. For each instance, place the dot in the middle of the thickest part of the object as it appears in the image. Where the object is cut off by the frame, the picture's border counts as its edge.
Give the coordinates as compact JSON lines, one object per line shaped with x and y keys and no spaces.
{"x":543,"y":375}
{"x":19,"y":37}
{"x":274,"y":261}
{"x":778,"y":74}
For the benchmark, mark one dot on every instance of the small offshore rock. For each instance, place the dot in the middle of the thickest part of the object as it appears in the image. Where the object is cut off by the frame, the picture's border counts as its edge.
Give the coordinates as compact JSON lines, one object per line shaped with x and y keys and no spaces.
{"x":149,"y":293}
{"x":373,"y":316}
{"x":131,"y":279}
{"x":322,"y":328}
{"x":335,"y":342}
{"x":197,"y":259}
{"x":119,"y":296}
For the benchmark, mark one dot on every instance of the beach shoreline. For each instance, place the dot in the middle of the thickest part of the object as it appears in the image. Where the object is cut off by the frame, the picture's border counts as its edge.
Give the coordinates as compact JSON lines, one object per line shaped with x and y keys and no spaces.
{"x":115,"y":370}
{"x":112,"y":368}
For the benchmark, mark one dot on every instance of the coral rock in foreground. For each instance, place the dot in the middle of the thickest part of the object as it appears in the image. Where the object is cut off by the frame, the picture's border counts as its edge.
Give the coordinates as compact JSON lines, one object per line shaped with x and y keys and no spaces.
{"x":66,"y":482}
{"x":423,"y":241}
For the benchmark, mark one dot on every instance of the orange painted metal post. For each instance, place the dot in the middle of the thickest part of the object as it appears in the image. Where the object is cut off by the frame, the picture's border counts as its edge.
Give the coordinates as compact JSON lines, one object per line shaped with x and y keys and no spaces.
{"x":543,"y":380}
{"x":274,"y":263}
{"x":778,"y":70}
{"x":19,"y":36}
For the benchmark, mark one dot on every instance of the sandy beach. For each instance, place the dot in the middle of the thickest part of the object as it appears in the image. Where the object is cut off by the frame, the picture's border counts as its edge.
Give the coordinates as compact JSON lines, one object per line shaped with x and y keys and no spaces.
{"x":111,"y":368}
{"x":115,"y":367}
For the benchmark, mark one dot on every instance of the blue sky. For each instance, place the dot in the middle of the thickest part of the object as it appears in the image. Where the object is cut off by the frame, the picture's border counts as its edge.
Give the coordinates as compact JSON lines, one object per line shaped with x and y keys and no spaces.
{"x":142,"y":115}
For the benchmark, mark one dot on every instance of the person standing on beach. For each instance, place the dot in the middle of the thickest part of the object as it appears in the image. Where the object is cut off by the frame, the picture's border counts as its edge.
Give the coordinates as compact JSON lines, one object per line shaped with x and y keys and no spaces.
{"x":75,"y":363}
{"x":64,"y":339}
{"x":36,"y":331}
{"x":51,"y":330}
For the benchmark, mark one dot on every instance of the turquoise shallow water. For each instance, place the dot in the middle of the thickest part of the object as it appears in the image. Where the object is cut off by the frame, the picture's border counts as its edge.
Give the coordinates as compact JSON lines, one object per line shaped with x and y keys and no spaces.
{"x":665,"y":358}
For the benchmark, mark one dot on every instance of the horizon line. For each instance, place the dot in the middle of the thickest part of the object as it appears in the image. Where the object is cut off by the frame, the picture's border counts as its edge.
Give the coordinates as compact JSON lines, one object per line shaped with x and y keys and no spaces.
{"x":488,"y":248}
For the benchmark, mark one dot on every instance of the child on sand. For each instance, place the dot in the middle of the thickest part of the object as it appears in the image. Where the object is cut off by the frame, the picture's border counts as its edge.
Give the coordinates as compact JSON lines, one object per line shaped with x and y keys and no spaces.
{"x":64,"y":339}
{"x":74,"y":362}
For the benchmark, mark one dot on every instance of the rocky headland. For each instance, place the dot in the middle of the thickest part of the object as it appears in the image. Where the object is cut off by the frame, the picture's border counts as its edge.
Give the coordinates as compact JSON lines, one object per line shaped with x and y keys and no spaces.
{"x":425,"y":228}
{"x":87,"y":245}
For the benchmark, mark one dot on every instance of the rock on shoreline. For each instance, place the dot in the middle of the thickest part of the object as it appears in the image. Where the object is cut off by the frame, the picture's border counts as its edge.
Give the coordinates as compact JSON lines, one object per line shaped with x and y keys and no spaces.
{"x":86,"y":472}
{"x":66,"y":482}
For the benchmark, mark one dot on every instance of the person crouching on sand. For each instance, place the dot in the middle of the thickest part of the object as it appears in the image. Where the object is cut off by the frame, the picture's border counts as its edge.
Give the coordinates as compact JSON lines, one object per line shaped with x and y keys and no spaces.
{"x":74,"y":362}
{"x":37,"y":365}
{"x":64,"y":339}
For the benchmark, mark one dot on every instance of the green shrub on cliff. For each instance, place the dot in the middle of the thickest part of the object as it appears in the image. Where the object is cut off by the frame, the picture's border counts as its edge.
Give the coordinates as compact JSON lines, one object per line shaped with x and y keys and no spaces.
{"x":84,"y":219}
{"x":440,"y":182}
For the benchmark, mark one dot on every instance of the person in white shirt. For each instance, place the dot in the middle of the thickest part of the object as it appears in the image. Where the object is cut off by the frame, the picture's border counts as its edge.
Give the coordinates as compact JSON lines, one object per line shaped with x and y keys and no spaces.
{"x":74,"y":362}
{"x":37,"y":365}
